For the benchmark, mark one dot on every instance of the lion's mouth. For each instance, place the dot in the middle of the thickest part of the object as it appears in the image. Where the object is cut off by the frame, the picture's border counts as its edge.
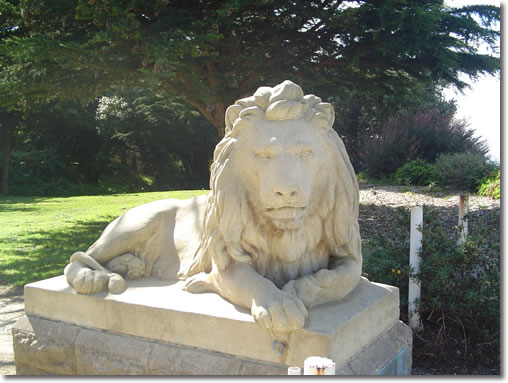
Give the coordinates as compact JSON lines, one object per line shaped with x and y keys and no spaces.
{"x":287,"y":217}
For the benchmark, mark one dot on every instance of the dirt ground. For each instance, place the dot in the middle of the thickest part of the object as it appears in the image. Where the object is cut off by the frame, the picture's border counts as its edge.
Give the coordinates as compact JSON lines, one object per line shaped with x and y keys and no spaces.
{"x":12,"y":307}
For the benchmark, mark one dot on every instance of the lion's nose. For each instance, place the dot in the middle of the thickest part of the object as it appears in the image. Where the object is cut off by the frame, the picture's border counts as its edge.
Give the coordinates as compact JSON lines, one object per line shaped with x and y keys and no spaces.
{"x":289,"y":192}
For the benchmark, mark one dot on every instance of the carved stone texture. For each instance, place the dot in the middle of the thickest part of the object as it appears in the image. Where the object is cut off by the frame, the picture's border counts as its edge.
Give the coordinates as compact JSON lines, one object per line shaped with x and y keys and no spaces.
{"x":277,"y":234}
{"x":156,"y":328}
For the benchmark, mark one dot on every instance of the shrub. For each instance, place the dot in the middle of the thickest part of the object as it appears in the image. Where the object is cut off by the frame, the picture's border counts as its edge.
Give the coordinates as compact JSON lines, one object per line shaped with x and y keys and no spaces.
{"x":411,"y":134}
{"x":417,"y":172}
{"x":461,"y":291}
{"x":460,"y":301}
{"x":491,"y":185}
{"x":38,"y":172}
{"x":462,"y":171}
{"x":44,"y":164}
{"x":386,"y":258}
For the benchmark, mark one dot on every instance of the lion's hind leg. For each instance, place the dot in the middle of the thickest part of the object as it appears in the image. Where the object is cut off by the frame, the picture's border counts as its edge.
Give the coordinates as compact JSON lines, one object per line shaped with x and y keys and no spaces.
{"x":119,"y":238}
{"x":128,"y":266}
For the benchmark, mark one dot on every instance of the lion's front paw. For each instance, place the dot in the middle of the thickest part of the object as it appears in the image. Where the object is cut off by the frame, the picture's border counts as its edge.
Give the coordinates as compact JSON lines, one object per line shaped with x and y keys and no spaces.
{"x":305,"y":288}
{"x":128,"y":266}
{"x":199,"y":283}
{"x":281,"y":312}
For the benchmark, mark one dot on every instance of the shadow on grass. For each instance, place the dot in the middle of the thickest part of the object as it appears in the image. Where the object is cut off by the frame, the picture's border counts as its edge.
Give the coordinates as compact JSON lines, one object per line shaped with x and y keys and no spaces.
{"x":24,"y":204}
{"x":44,"y":254}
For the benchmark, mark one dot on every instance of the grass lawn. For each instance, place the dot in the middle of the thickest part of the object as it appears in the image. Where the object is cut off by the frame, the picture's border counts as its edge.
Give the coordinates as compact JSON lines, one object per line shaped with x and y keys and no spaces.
{"x":39,"y":234}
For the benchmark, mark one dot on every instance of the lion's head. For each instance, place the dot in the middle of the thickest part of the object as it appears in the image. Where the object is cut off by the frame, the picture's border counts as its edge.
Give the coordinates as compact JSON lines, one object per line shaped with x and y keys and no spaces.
{"x":282,"y":185}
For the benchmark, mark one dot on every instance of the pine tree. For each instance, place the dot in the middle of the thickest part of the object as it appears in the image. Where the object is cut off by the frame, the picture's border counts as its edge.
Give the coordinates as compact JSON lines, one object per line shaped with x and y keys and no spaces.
{"x":210,"y":53}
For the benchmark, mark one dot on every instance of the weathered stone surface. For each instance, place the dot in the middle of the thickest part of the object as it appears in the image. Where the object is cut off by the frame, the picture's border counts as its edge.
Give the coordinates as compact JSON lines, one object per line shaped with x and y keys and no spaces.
{"x":251,"y":368}
{"x":375,"y":357}
{"x":98,"y":352}
{"x":160,"y":311}
{"x":101,"y":353}
{"x":175,"y":360}
{"x":26,"y":369}
{"x":41,"y":343}
{"x":168,"y":359}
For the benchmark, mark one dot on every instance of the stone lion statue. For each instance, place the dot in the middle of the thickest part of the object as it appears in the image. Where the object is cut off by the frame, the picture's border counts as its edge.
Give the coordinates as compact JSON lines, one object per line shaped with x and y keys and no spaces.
{"x":277,"y":234}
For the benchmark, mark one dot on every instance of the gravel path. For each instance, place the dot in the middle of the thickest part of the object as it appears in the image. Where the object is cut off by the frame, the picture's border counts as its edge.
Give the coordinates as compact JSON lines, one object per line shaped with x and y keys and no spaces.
{"x":12,"y":307}
{"x":376,"y":206}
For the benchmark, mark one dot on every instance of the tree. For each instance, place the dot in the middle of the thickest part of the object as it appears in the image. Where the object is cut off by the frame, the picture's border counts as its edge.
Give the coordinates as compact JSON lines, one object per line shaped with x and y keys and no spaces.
{"x":11,"y":25}
{"x":158,"y":133}
{"x":212,"y":52}
{"x":69,"y":129}
{"x":9,"y":120}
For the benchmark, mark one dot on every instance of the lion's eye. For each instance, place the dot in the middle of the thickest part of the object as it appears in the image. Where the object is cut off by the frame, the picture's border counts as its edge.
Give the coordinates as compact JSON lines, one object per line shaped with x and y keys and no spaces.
{"x":305,"y":153}
{"x":263,"y":155}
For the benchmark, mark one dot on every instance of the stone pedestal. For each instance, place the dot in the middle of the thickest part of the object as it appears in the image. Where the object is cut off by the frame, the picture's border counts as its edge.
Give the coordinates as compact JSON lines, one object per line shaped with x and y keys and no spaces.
{"x":155,"y":328}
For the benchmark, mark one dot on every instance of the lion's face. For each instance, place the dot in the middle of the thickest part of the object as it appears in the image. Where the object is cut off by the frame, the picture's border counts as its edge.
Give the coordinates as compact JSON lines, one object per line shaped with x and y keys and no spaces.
{"x":284,"y":165}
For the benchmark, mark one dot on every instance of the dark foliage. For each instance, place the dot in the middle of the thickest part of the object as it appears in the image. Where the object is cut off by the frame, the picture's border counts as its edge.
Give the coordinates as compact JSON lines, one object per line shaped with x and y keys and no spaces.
{"x":460,"y":301}
{"x":417,"y":134}
{"x":211,"y":54}
{"x":462,"y":171}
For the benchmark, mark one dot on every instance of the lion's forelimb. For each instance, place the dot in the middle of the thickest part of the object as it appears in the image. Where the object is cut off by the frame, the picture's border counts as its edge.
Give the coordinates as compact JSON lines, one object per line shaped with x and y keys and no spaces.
{"x":326,"y":285}
{"x":271,"y":307}
{"x":88,"y":276}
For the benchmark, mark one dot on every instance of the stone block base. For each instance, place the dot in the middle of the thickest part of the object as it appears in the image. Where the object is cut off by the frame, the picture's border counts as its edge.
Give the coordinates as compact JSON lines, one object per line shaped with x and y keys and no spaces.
{"x":154,"y":328}
{"x":47,"y":347}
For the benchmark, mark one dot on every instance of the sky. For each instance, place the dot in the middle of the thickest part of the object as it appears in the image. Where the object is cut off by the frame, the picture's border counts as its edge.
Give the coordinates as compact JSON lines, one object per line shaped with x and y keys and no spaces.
{"x":480,"y":105}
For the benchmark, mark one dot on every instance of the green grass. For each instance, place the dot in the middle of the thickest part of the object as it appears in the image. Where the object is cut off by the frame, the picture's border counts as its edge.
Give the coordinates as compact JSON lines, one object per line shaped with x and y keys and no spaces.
{"x":39,"y":234}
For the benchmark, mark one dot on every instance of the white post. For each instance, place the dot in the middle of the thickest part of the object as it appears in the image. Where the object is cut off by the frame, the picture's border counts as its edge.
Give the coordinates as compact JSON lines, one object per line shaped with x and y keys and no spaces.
{"x":294,"y":371}
{"x":463,"y":210}
{"x":415,"y":246}
{"x":316,"y":365}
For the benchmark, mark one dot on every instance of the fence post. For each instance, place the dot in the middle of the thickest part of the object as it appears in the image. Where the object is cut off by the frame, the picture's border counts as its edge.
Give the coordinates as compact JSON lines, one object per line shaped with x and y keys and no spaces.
{"x":463,"y":211}
{"x":415,"y":246}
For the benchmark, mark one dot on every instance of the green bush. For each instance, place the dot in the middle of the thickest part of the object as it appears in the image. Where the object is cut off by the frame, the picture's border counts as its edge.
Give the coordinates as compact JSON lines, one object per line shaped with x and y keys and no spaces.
{"x":417,"y":172}
{"x":38,"y":172}
{"x":491,"y":185}
{"x":386,"y":258}
{"x":461,"y":290}
{"x":462,"y":171}
{"x":460,"y":301}
{"x":45,"y":173}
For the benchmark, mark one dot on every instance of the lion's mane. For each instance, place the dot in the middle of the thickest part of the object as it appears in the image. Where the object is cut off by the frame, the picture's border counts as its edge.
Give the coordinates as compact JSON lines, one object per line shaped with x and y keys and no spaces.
{"x":229,"y":229}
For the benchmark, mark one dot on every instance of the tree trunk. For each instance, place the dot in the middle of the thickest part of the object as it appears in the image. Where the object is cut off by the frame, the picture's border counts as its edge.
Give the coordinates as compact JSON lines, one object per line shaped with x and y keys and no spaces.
{"x":219,"y":121}
{"x":7,"y":132}
{"x":213,"y":113}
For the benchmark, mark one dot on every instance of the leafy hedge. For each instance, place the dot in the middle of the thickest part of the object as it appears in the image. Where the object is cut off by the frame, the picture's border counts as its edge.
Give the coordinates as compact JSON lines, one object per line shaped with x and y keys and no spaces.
{"x":491,"y":185}
{"x":417,"y":172}
{"x":462,"y":171}
{"x":45,"y":173}
{"x":460,"y":301}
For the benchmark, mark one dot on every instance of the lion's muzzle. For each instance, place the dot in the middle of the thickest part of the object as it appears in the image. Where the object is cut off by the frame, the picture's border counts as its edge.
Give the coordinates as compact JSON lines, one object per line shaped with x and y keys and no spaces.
{"x":286,"y":217}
